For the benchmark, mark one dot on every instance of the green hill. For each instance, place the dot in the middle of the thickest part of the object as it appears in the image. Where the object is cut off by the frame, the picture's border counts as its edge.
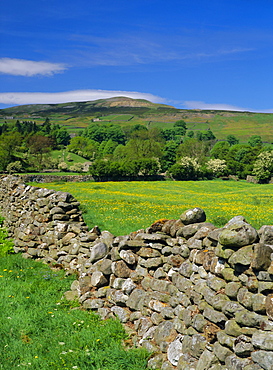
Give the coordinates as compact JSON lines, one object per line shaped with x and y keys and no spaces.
{"x":127,"y":111}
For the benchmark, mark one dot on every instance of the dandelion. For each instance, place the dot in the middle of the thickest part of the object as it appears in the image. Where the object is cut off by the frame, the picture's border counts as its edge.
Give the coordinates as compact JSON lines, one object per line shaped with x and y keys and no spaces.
{"x":1,"y":275}
{"x":36,"y":356}
{"x":27,"y":297}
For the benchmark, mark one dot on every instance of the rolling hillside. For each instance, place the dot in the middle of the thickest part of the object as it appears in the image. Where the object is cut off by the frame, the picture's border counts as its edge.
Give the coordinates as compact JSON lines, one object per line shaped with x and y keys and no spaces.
{"x":127,"y":111}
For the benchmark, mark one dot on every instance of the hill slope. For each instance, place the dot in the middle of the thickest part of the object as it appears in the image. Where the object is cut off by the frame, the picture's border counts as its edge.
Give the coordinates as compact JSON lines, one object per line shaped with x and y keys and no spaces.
{"x":126,"y":111}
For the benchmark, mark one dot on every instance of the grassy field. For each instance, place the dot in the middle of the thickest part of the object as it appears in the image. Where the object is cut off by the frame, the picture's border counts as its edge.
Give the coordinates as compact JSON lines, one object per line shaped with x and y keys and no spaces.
{"x":123,"y":207}
{"x":42,"y":331}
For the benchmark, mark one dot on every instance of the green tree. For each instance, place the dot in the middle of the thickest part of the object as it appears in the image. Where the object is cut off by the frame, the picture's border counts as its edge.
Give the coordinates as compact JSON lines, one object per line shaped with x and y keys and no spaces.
{"x":232,"y":140}
{"x":255,"y":140}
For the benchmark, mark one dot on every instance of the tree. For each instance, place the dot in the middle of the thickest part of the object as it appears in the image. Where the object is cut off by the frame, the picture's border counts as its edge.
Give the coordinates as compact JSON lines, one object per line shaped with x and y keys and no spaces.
{"x":194,"y":148}
{"x":39,"y":146}
{"x":263,"y":166}
{"x":220,"y":150}
{"x":187,"y":169}
{"x":218,"y":167}
{"x":255,"y":140}
{"x":231,"y":139}
{"x":9,"y":143}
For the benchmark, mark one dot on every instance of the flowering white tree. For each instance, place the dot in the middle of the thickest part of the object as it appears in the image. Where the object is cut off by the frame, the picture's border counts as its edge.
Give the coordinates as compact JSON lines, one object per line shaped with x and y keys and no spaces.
{"x":187,"y":168}
{"x":263,"y":166}
{"x":217,"y":166}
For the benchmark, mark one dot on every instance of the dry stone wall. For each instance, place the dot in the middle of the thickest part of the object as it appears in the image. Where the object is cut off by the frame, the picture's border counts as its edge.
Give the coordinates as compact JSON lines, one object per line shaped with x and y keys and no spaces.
{"x":196,"y":296}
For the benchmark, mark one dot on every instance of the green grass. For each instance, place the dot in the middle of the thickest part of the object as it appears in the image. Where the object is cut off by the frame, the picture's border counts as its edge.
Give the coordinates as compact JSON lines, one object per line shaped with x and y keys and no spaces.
{"x":123,"y":207}
{"x":40,"y":330}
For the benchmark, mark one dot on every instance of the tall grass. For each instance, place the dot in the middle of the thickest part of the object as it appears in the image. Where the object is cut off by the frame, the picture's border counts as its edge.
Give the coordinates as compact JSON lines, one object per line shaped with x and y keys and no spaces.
{"x":40,"y":330}
{"x":123,"y":207}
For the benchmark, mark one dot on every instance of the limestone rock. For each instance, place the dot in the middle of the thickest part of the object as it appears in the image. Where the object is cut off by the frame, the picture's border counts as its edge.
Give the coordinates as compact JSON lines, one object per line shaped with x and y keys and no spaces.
{"x":174,"y":351}
{"x":263,"y":358}
{"x":263,"y":340}
{"x":98,"y":251}
{"x":192,"y":216}
{"x":269,"y":306}
{"x":120,"y":269}
{"x":238,"y":234}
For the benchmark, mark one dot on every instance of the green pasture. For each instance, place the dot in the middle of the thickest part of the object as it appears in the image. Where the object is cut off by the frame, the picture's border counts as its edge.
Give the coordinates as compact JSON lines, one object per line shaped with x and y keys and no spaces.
{"x":123,"y":207}
{"x":41,"y":330}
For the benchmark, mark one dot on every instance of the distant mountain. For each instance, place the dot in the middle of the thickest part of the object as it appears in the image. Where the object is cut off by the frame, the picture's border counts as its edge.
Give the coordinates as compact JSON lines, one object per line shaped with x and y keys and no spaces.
{"x":80,"y":108}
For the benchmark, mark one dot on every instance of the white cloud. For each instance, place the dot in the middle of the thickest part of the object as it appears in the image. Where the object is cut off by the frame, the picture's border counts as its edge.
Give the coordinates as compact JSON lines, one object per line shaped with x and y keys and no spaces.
{"x":202,"y":105}
{"x":22,"y":67}
{"x":19,"y":98}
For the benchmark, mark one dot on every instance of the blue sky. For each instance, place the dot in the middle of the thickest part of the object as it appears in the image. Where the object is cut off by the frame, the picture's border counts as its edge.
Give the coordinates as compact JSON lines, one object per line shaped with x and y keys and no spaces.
{"x":207,"y":54}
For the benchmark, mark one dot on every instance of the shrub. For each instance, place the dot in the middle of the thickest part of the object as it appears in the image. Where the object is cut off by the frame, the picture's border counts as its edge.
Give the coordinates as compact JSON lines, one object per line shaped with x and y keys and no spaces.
{"x":217,"y":166}
{"x":187,"y":169}
{"x":263,"y":166}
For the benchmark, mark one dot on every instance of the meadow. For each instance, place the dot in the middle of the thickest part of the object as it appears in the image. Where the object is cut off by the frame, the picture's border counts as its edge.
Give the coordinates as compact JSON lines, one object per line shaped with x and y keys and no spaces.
{"x":42,"y":331}
{"x":123,"y":207}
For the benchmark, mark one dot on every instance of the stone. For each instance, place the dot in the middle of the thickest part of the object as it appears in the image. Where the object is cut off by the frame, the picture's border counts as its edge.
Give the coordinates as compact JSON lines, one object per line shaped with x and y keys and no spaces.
{"x":148,"y":252}
{"x":174,"y":351}
{"x":237,"y":234}
{"x":242,"y":346}
{"x":160,"y":273}
{"x":120,"y":269}
{"x":128,"y":257}
{"x":165,"y":332}
{"x":258,"y":303}
{"x":265,"y":286}
{"x":155,"y":362}
{"x":269,"y":306}
{"x":128,"y":286}
{"x":248,"y":318}
{"x":263,"y":358}
{"x":245,"y":298}
{"x":266,"y":235}
{"x":232,"y":328}
{"x":225,"y":339}
{"x":185,"y":269}
{"x":122,"y":314}
{"x":216,"y":283}
{"x":235,"y":363}
{"x":232,"y":289}
{"x":136,"y":299}
{"x":104,"y":265}
{"x":206,"y":360}
{"x":181,"y":282}
{"x":244,"y":256}
{"x":98,"y":251}
{"x":263,"y":340}
{"x":71,"y":295}
{"x":221,"y":352}
{"x":150,"y":262}
{"x":93,"y":304}
{"x":229,"y":308}
{"x":261,"y":257}
{"x":193,"y":216}
{"x":214,"y":316}
{"x":98,"y":279}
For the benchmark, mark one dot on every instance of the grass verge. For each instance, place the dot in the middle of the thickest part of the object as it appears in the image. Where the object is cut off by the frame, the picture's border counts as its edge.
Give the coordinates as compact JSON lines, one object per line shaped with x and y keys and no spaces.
{"x":40,"y":330}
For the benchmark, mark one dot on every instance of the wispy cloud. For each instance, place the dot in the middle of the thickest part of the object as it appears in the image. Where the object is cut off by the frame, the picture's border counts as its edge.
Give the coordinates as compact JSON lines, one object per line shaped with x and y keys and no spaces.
{"x":20,"y":98}
{"x":28,"y":68}
{"x":122,"y":50}
{"x":192,"y":104}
